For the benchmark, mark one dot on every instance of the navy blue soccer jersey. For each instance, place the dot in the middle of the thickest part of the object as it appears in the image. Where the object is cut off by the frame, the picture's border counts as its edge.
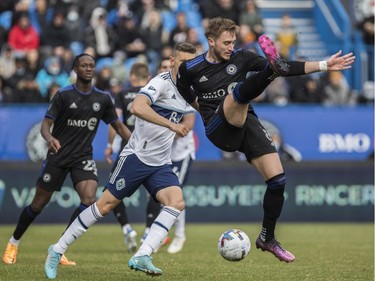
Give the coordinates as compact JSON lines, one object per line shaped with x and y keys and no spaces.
{"x":124,"y":101}
{"x":76,"y":118}
{"x":211,"y":82}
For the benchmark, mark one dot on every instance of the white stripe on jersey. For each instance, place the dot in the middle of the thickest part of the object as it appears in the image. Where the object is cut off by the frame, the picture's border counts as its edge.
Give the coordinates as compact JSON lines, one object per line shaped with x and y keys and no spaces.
{"x":150,"y":142}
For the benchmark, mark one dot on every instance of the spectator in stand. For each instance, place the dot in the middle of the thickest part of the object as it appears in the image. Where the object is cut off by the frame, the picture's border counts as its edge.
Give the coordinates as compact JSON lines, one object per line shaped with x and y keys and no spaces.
{"x":179,"y":33}
{"x":91,"y":51}
{"x":367,"y":26}
{"x":277,"y":92}
{"x":337,"y":91}
{"x":115,"y":88}
{"x":32,"y":62}
{"x":20,"y":73}
{"x":247,"y":38}
{"x":287,"y":153}
{"x":52,"y":90}
{"x":22,"y":36}
{"x":67,"y":58}
{"x":367,"y":95}
{"x":308,"y":91}
{"x":155,"y":37}
{"x":40,"y":15}
{"x":5,"y":92}
{"x":143,"y":16}
{"x":56,"y":33}
{"x":16,"y":7}
{"x":166,"y":52}
{"x":251,"y":17}
{"x":100,"y":35}
{"x":140,"y":9}
{"x":103,"y":77}
{"x":118,"y":70}
{"x":27,"y":91}
{"x":130,"y":37}
{"x":3,"y":36}
{"x":219,"y":8}
{"x":52,"y":72}
{"x":193,"y":38}
{"x":86,"y":8}
{"x":287,"y":37}
{"x":75,"y":25}
{"x":7,"y":62}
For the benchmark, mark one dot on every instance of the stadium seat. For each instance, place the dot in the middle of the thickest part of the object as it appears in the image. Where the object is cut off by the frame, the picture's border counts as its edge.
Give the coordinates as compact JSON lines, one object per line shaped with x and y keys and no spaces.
{"x":169,"y":20}
{"x":102,"y":62}
{"x":6,"y":19}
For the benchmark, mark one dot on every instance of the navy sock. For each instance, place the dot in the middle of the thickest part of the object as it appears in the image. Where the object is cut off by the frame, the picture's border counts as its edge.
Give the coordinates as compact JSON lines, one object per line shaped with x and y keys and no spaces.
{"x":253,"y":86}
{"x":120,"y":213}
{"x":26,"y":218}
{"x":273,"y":202}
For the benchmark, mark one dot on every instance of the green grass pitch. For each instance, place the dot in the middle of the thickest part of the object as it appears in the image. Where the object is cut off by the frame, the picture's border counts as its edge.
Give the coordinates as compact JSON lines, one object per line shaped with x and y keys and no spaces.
{"x":324,"y":252}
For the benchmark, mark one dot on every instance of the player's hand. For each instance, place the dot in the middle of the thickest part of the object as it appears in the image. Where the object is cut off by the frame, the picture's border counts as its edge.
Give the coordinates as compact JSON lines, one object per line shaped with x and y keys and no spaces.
{"x":180,"y":129}
{"x":108,"y":155}
{"x":337,"y":62}
{"x":54,"y":145}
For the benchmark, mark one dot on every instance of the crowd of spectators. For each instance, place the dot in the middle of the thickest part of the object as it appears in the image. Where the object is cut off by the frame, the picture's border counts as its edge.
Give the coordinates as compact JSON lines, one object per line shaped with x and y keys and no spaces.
{"x":39,"y":39}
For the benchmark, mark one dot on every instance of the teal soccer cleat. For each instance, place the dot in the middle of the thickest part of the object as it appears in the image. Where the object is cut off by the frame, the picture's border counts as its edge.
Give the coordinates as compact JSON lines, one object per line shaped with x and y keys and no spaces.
{"x":144,"y":264}
{"x":52,"y":262}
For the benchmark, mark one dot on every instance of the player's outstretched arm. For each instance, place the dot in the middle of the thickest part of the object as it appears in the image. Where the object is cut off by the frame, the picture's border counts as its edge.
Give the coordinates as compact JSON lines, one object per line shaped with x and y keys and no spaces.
{"x":335,"y":63}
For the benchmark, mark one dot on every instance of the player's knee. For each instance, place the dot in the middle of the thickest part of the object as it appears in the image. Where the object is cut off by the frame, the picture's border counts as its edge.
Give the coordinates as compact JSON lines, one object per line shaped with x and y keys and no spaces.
{"x":179,"y":205}
{"x":37,"y":207}
{"x":105,"y":209}
{"x":88,"y":201}
{"x":38,"y":203}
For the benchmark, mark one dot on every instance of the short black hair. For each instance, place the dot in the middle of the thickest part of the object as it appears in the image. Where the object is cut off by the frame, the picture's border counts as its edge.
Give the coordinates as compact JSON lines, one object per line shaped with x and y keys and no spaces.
{"x":76,"y":59}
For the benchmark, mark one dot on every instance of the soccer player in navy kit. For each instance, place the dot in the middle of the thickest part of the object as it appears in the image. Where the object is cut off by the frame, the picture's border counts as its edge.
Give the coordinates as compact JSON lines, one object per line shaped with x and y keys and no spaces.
{"x":75,"y":112}
{"x":145,"y":160}
{"x":215,"y":83}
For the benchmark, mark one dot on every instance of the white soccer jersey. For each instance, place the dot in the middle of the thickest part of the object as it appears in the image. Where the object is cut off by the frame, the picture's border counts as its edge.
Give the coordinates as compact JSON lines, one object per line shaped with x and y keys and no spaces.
{"x":183,"y":147}
{"x":150,"y":142}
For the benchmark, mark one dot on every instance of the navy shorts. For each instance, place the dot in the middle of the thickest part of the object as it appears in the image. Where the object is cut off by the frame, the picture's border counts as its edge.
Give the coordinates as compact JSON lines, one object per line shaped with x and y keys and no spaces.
{"x":129,"y":173}
{"x":252,"y":139}
{"x":52,"y":177}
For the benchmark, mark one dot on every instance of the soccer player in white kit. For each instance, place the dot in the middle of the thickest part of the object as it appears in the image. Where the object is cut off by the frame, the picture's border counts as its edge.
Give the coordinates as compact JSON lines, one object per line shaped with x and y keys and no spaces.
{"x":145,"y":160}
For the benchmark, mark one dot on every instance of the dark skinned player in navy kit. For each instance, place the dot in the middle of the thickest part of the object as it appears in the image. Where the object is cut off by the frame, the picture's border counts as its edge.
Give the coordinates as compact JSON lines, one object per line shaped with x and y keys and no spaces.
{"x":75,"y":112}
{"x":215,"y":83}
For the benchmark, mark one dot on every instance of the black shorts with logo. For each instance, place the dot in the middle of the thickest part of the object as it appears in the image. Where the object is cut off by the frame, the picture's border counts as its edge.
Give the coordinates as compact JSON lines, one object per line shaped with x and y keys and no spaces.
{"x":252,"y":139}
{"x":52,"y":177}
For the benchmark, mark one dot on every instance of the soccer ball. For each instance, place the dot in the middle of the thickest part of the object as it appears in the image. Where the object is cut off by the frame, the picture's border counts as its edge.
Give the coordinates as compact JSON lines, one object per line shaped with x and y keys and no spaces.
{"x":234,"y":245}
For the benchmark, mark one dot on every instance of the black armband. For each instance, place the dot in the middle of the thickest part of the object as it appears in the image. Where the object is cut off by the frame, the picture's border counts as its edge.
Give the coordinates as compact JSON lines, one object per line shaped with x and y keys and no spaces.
{"x":296,"y":68}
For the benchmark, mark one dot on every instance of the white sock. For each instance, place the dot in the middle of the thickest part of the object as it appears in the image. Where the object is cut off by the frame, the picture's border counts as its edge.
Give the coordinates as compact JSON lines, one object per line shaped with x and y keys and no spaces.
{"x":180,"y":225}
{"x":14,"y":241}
{"x":147,"y":230}
{"x":158,"y":231}
{"x":79,"y":226}
{"x":126,"y":228}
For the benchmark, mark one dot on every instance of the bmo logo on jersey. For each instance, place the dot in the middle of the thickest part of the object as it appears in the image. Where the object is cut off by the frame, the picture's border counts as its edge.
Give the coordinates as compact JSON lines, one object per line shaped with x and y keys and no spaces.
{"x":90,"y":124}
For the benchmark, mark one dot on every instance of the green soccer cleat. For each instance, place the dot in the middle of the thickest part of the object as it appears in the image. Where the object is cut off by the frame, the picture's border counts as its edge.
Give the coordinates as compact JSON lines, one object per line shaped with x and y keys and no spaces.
{"x":144,"y":264}
{"x":52,"y":263}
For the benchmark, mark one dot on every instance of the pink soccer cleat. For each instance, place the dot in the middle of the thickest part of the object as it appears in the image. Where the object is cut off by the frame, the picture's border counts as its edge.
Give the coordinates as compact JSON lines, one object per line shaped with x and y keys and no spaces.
{"x":279,"y":65}
{"x":275,"y":248}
